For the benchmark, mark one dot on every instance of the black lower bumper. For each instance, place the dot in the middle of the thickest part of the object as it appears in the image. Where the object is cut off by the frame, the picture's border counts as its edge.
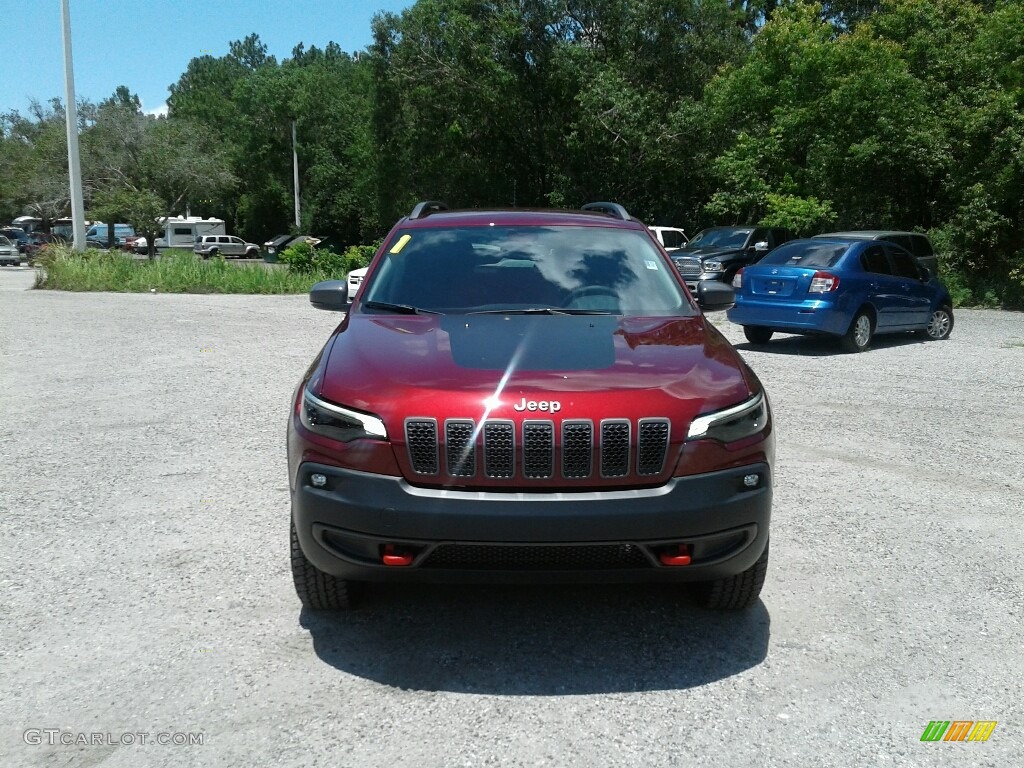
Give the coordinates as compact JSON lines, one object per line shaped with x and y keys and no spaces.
{"x":347,"y":526}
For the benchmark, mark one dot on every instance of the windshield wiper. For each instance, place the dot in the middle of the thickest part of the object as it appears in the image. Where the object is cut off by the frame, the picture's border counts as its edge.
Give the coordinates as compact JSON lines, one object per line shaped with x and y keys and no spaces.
{"x":402,"y":309}
{"x":540,"y":311}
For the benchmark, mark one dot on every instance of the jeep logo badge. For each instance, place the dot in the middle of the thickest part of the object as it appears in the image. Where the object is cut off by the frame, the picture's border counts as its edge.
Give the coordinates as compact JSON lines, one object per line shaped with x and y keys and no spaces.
{"x":551,"y":406}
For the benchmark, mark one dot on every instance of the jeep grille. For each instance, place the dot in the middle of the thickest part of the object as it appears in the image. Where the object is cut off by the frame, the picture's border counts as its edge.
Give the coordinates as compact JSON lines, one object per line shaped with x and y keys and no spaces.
{"x":621,"y":448}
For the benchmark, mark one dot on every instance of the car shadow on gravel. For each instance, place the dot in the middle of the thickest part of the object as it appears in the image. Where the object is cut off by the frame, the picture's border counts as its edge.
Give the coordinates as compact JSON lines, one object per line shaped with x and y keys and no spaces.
{"x":826,"y":346}
{"x":538,"y":641}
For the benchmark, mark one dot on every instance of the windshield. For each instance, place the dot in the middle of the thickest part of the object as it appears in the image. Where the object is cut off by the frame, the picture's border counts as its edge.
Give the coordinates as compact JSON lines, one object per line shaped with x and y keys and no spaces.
{"x":4,"y":240}
{"x":806,"y":254}
{"x":720,"y":238}
{"x":551,"y":269}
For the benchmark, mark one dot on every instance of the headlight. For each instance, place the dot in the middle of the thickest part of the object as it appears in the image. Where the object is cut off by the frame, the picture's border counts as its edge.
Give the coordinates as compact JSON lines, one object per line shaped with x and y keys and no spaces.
{"x":339,"y":423}
{"x":712,"y":266}
{"x":747,"y":418}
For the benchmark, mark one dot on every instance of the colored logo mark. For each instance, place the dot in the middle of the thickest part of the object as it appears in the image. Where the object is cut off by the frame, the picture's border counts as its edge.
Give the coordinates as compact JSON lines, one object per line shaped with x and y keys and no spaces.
{"x":958,"y":730}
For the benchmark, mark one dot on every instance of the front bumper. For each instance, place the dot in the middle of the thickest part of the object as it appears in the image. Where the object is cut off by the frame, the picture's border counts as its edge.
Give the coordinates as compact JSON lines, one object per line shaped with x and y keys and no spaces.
{"x":345,"y":527}
{"x":693,"y":282}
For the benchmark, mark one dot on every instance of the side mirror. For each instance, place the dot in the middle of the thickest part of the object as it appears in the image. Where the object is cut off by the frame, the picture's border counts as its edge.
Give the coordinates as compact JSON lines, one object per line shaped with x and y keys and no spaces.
{"x":713,"y":296}
{"x":331,"y":295}
{"x":761,"y":247}
{"x":926,"y":274}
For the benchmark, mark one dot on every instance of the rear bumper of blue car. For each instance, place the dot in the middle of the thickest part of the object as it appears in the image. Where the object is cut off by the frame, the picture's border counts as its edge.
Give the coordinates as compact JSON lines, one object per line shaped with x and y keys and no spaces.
{"x":814,"y":316}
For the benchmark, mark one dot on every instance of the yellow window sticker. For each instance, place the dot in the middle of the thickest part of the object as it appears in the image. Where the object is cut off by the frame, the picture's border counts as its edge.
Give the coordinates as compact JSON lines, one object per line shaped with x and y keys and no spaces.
{"x":397,"y":247}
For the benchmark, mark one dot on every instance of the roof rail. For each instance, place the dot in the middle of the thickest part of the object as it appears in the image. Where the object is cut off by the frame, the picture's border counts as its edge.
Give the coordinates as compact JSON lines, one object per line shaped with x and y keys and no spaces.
{"x":426,"y":208}
{"x":612,"y":209}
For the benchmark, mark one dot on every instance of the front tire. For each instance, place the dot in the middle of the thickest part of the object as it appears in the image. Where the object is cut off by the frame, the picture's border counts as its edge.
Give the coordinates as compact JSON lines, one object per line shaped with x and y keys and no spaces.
{"x":862,"y":329}
{"x":317,"y":590}
{"x":737,"y":592}
{"x":940,"y":324}
{"x":757,"y":334}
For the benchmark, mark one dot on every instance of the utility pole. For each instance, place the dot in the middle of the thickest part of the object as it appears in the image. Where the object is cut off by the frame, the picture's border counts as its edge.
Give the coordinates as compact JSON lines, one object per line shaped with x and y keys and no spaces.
{"x":74,"y":163}
{"x":295,"y":171}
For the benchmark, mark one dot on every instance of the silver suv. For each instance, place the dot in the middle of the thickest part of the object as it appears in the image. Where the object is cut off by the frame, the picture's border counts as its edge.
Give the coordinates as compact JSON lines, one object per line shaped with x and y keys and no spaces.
{"x":225,"y":245}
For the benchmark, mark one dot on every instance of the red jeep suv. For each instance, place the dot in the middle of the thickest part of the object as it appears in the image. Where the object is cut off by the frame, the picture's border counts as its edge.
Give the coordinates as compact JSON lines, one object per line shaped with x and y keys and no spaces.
{"x":528,"y":395}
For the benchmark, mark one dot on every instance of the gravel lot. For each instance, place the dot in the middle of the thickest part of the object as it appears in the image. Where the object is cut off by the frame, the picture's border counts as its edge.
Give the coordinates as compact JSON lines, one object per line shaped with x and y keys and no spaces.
{"x":145,"y":586}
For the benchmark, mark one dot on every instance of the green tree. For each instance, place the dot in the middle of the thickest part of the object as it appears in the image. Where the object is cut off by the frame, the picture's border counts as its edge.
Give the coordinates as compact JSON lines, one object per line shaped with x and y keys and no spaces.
{"x":35,"y":161}
{"x":131,"y":160}
{"x":834,"y":117}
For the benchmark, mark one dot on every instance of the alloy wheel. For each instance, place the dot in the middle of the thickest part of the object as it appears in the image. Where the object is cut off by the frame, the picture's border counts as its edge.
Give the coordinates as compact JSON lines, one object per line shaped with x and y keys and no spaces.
{"x":938,"y":325}
{"x":862,"y":332}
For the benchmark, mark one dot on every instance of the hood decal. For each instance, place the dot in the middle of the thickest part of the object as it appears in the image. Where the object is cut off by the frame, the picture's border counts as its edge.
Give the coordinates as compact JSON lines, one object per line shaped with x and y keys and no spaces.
{"x":521,"y":343}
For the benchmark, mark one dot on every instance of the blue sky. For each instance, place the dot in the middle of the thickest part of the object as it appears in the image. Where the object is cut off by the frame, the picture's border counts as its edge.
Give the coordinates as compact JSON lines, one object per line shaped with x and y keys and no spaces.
{"x":153,"y":40}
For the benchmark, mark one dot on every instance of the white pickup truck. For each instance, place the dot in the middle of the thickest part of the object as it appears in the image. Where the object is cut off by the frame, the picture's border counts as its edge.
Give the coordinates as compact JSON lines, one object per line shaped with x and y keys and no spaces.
{"x":671,"y":238}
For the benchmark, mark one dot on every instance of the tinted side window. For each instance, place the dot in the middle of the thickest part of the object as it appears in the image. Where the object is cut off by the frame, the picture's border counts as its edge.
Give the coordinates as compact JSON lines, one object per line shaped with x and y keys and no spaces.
{"x":873,"y":260}
{"x":903,"y":263}
{"x":759,"y":236}
{"x":921,"y":246}
{"x":900,"y":240}
{"x":781,"y":236}
{"x":224,"y":239}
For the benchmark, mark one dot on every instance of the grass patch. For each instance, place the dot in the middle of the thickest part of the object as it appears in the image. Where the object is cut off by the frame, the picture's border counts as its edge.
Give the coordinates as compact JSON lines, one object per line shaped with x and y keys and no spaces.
{"x":174,"y":272}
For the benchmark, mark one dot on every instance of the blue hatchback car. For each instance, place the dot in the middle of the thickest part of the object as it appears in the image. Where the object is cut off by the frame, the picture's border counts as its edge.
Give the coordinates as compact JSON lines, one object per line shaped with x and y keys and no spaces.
{"x":848,"y":289}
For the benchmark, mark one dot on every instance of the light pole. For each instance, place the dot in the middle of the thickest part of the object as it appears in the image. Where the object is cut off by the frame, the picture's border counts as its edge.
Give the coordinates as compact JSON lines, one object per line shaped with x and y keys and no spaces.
{"x":74,"y":164}
{"x":295,"y":173}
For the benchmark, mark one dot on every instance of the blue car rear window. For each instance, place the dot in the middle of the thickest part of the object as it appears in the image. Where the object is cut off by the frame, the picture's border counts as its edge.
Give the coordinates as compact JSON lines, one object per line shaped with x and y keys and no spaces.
{"x":806,"y":255}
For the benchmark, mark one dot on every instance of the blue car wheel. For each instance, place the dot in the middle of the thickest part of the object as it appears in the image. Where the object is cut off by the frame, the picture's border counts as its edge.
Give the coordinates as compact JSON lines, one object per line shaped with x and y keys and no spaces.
{"x":940,"y":324}
{"x":757,"y":334}
{"x":858,"y":337}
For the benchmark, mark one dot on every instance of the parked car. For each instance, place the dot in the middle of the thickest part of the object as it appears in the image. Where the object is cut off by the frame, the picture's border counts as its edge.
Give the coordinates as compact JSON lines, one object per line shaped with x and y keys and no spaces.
{"x":527,"y":395}
{"x":9,"y":254}
{"x":915,"y":242}
{"x":851,"y":289}
{"x":718,"y":253}
{"x":671,"y":238}
{"x":226,"y":246}
{"x":16,"y":235}
{"x":99,"y":233}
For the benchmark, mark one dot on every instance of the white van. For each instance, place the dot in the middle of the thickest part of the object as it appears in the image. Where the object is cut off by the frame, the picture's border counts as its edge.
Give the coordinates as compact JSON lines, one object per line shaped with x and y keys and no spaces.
{"x":99,"y":232}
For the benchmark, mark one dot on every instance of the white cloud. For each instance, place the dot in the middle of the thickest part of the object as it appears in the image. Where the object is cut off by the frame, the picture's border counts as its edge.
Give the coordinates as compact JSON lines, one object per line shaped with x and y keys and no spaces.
{"x":160,"y":111}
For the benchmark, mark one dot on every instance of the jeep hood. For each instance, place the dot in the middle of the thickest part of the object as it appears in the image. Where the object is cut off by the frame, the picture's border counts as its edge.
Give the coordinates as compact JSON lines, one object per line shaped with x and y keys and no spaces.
{"x":482,"y":366}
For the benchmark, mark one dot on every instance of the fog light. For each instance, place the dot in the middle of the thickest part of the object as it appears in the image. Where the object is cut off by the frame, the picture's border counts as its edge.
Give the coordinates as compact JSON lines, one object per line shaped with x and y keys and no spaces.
{"x":751,"y":481}
{"x":321,"y":480}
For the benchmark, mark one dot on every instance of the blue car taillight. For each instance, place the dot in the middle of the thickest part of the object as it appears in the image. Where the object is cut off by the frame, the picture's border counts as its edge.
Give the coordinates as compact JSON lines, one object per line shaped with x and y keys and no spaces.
{"x":823,"y":282}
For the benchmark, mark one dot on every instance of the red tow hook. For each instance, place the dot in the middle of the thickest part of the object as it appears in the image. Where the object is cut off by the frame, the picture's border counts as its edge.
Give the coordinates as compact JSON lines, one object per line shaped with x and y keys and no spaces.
{"x":393,"y":557}
{"x":678,"y":555}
